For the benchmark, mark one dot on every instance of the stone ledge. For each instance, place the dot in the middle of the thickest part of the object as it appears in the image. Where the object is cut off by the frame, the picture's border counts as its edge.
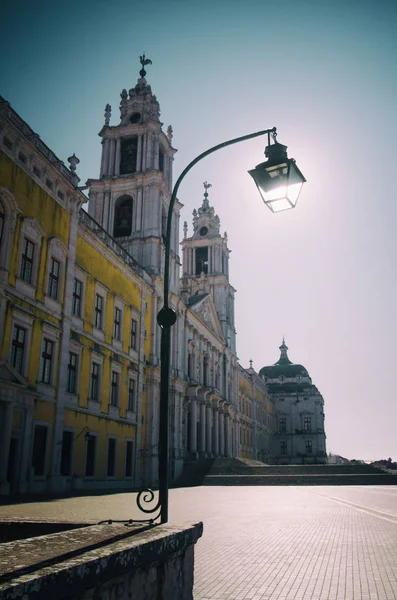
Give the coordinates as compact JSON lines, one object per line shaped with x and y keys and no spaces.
{"x":62,"y":565}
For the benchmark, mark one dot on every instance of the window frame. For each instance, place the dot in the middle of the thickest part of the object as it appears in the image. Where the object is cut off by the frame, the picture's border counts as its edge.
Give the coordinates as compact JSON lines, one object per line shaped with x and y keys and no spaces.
{"x":75,"y":296}
{"x":131,"y":406}
{"x":75,"y":369}
{"x":132,"y":459}
{"x":57,"y":252}
{"x":46,"y":425}
{"x":98,"y":377}
{"x":91,"y":435}
{"x":32,"y":231}
{"x":114,"y":439}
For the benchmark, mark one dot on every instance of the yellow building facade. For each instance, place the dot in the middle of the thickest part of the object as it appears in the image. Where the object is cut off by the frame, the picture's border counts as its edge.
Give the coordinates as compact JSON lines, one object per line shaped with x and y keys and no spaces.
{"x":257,"y":422}
{"x":75,"y":322}
{"x":79,"y":294}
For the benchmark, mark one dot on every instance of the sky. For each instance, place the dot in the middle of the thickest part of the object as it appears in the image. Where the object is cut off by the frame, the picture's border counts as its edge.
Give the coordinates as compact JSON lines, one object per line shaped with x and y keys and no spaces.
{"x":324,"y":73}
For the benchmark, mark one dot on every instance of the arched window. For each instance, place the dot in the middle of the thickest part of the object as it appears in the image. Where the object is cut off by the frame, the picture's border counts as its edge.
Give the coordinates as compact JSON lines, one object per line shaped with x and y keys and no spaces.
{"x":122,"y":224}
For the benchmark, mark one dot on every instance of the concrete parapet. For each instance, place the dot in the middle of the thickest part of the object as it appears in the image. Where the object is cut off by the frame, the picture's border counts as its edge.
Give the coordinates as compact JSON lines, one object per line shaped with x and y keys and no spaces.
{"x":101,"y":561}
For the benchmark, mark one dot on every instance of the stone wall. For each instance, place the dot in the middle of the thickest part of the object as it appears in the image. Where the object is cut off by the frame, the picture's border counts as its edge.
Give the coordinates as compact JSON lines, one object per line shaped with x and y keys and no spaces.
{"x":109,"y":561}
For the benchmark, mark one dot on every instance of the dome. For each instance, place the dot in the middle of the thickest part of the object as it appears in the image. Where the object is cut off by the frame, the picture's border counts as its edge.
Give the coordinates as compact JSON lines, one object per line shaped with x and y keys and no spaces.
{"x":283,"y":367}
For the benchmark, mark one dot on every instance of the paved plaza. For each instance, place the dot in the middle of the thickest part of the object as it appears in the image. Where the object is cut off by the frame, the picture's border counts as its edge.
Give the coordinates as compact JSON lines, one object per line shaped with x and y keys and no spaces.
{"x":273,"y":543}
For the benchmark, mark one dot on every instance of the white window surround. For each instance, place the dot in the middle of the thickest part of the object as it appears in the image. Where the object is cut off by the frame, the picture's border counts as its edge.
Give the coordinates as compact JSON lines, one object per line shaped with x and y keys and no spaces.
{"x":132,"y":414}
{"x":11,"y":211}
{"x":71,"y":430}
{"x":99,"y":333}
{"x":96,"y":436}
{"x":51,"y":334}
{"x":47,"y":449}
{"x":132,"y":476}
{"x":77,"y":349}
{"x":134,"y":352}
{"x":114,"y":410}
{"x":32,"y":231}
{"x":58,"y":251}
{"x":118,"y":342}
{"x":78,"y":321}
{"x":26,"y":322}
{"x":94,"y":406}
{"x":112,"y":437}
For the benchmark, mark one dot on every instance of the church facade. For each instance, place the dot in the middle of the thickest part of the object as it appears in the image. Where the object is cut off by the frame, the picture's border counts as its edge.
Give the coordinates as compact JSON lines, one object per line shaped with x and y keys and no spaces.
{"x":299,"y":436}
{"x":79,"y":294}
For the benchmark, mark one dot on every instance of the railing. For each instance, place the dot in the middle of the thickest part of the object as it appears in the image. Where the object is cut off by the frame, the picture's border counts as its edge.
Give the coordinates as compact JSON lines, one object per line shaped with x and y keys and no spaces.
{"x":109,"y":241}
{"x":34,"y":139}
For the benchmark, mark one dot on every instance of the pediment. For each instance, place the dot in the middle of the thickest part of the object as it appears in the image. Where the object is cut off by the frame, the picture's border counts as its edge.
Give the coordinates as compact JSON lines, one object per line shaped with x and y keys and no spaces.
{"x":10,"y":375}
{"x":203,"y":306}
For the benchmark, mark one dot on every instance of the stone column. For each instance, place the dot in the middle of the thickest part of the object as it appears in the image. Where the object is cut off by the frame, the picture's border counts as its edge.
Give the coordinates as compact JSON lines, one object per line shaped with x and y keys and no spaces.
{"x":221,"y":433}
{"x":216,"y":432}
{"x":202,"y":429}
{"x":117,"y":158}
{"x":193,"y":427}
{"x":5,"y":438}
{"x":208,"y":448}
{"x":139,"y":154}
{"x":144,"y":145}
{"x":227,"y":434}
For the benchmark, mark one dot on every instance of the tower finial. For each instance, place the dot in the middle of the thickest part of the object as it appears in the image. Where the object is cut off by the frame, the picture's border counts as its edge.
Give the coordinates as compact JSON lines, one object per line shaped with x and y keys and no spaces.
{"x":206,"y":187}
{"x":144,"y":61}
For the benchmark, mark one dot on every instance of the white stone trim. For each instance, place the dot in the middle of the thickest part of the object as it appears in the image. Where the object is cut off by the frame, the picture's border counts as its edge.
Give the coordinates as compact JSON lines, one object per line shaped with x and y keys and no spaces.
{"x":32,"y":231}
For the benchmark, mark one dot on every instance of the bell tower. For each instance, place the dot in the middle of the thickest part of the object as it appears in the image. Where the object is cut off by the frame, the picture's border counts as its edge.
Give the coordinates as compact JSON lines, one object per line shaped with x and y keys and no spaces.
{"x":206,"y":266}
{"x":131,"y":197}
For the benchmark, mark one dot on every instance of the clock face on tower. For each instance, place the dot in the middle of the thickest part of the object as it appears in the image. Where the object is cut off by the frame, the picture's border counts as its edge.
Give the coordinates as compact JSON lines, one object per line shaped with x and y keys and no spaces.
{"x":204,"y":231}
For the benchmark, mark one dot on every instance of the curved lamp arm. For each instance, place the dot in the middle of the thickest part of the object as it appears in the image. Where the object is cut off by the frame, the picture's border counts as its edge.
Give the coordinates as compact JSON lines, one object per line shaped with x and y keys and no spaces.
{"x":272,"y":131}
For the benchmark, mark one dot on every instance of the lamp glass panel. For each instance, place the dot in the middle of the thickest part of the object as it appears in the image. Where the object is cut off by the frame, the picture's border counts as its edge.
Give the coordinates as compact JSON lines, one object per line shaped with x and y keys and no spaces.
{"x":293,"y":192}
{"x":279,"y":205}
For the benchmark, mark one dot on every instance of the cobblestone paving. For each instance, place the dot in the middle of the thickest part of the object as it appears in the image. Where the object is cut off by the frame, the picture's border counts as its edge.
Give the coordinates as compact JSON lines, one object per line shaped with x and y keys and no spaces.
{"x":286,"y":543}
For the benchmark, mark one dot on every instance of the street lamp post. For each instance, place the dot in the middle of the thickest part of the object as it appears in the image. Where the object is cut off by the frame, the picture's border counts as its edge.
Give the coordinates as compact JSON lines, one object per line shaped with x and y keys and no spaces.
{"x":279,"y":182}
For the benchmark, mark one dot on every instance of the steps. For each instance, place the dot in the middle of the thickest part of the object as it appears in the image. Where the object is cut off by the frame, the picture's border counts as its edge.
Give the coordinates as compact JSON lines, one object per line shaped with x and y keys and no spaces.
{"x":236,"y":471}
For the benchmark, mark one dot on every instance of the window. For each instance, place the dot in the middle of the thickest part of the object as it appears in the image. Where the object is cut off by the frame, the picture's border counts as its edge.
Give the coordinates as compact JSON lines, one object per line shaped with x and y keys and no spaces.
{"x":90,"y":456}
{"x":201,"y":260}
{"x":114,"y":389}
{"x":27,"y":261}
{"x":117,"y":323}
{"x":307,"y":424}
{"x":72,"y":373}
{"x":18,"y":348}
{"x":94,"y":383}
{"x":39,"y":449}
{"x":76,"y":299}
{"x":111,"y":470}
{"x":133,"y":334}
{"x":129,"y":459}
{"x":308,"y":447}
{"x":129,"y":149}
{"x":61,"y":195}
{"x":98,"y":311}
{"x":122,"y":225}
{"x":283,"y":448}
{"x":47,"y":358}
{"x":49,"y":183}
{"x":161,"y":160}
{"x":36,"y":171}
{"x":22,"y":157}
{"x":131,"y":395}
{"x":282,"y":424}
{"x":53,"y":279}
{"x":67,"y":453}
{"x":8,"y":143}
